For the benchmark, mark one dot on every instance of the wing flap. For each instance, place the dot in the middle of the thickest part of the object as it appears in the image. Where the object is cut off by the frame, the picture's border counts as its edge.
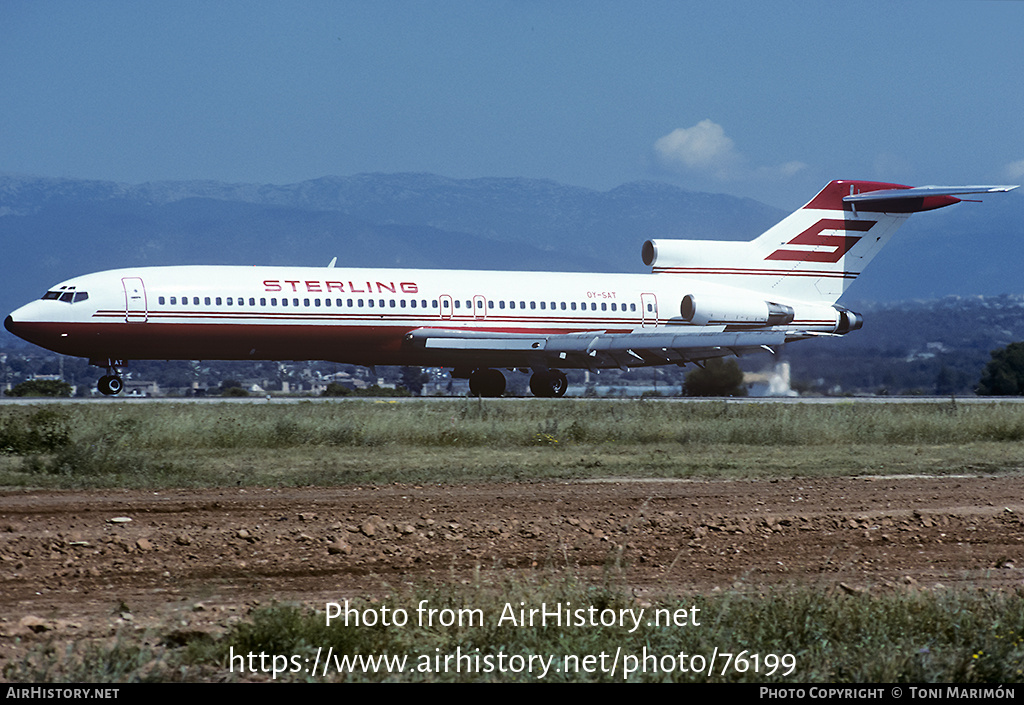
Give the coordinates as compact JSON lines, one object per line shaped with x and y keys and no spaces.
{"x":592,"y":350}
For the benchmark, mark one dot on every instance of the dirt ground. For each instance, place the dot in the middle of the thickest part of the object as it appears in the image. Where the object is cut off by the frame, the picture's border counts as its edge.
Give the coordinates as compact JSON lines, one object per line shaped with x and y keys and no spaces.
{"x":86,"y":564}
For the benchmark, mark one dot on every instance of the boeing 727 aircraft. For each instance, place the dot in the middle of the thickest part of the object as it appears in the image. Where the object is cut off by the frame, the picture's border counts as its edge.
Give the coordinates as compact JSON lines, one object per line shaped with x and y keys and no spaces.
{"x":703,"y":299}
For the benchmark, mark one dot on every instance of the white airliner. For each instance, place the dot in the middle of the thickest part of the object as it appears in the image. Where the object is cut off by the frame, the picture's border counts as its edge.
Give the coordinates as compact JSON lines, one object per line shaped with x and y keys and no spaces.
{"x":703,"y":299}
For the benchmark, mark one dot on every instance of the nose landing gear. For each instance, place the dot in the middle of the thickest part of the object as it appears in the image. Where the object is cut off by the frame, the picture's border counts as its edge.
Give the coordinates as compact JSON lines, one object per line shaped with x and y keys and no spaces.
{"x":110,"y":384}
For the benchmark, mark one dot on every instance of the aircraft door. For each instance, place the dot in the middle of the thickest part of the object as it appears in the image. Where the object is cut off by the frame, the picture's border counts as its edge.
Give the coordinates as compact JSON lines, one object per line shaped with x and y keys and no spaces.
{"x":446,"y":305}
{"x":648,"y":310}
{"x":479,"y":306}
{"x":136,"y":309}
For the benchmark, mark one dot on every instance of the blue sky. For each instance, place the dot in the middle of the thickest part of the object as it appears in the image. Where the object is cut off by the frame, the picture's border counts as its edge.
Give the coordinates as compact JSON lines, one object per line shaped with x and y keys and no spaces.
{"x":767,"y":100}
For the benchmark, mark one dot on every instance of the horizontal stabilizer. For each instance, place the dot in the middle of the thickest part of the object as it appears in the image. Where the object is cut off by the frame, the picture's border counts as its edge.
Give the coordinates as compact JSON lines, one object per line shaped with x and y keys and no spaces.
{"x":921,"y":191}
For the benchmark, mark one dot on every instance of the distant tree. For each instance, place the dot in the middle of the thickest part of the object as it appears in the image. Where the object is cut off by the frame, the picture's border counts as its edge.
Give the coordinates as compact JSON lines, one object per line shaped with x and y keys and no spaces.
{"x":1004,"y":374}
{"x":333,"y":389}
{"x":233,"y":388}
{"x":41,"y":388}
{"x":413,"y":379}
{"x":718,"y":378}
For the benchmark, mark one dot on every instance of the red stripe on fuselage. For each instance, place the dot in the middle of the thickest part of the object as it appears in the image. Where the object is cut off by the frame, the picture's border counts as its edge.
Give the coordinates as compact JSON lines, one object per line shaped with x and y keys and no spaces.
{"x":356,"y":344}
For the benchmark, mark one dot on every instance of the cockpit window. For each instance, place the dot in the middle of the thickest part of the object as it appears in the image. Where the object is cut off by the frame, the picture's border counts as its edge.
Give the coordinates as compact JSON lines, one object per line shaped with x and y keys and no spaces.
{"x":69,"y":296}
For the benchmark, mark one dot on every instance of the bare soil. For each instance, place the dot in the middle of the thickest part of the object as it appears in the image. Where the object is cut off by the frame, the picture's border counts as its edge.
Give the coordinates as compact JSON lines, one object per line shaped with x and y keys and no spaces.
{"x":71,"y":567}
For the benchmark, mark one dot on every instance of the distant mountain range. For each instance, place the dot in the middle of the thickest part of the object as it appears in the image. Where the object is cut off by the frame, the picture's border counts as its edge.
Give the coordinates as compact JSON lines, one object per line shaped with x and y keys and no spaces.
{"x":51,"y":229}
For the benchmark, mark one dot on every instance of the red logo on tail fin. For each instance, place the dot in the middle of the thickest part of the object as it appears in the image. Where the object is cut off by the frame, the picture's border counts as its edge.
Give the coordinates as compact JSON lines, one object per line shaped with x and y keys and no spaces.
{"x":812,"y":237}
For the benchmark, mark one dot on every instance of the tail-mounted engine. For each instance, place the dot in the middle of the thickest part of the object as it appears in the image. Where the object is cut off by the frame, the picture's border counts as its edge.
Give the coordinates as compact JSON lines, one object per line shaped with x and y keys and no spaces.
{"x":705,"y":311}
{"x":848,"y":320}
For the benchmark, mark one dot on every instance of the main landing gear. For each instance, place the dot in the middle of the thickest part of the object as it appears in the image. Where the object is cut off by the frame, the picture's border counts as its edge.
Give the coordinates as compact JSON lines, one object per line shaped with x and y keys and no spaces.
{"x":491,"y":383}
{"x":548,"y":383}
{"x":486,"y":383}
{"x":111,"y":383}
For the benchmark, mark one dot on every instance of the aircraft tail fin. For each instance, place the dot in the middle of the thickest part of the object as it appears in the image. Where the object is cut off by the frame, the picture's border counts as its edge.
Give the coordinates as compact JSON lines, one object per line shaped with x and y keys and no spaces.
{"x":815,"y":253}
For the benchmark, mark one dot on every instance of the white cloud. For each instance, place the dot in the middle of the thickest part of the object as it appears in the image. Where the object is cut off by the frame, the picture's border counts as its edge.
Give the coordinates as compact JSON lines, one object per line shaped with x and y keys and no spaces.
{"x":1015,"y":170}
{"x":703,"y":147}
{"x":787,"y":169}
{"x":706,"y":148}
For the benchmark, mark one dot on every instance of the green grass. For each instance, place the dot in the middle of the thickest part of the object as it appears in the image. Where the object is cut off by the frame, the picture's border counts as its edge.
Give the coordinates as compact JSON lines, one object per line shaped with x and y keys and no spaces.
{"x":928,"y":636}
{"x":358,"y":441}
{"x":805,"y":635}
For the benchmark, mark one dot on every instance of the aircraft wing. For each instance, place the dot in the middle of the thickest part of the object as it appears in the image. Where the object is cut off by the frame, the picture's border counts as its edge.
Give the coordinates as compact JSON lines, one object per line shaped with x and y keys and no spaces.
{"x":593,"y":350}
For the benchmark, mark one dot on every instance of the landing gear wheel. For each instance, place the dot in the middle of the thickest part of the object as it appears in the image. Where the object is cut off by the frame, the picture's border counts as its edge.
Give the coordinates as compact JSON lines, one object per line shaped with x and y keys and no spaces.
{"x":110,"y":385}
{"x":486,"y":383}
{"x":549,"y":383}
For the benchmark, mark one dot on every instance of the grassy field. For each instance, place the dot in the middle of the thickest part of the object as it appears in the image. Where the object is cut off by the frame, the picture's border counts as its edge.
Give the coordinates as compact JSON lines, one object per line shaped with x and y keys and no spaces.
{"x":792,"y":636}
{"x":360,"y":441}
{"x":916,"y":636}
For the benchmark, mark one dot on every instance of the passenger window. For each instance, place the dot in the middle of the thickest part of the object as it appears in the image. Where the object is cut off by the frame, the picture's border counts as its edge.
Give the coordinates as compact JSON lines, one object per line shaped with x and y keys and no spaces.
{"x":263,"y":301}
{"x":501,"y":304}
{"x":305,"y":302}
{"x":284,"y":302}
{"x":573,"y":305}
{"x":229,"y":301}
{"x":217,"y":300}
{"x":316,"y":302}
{"x":161,"y":301}
{"x":173,"y":301}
